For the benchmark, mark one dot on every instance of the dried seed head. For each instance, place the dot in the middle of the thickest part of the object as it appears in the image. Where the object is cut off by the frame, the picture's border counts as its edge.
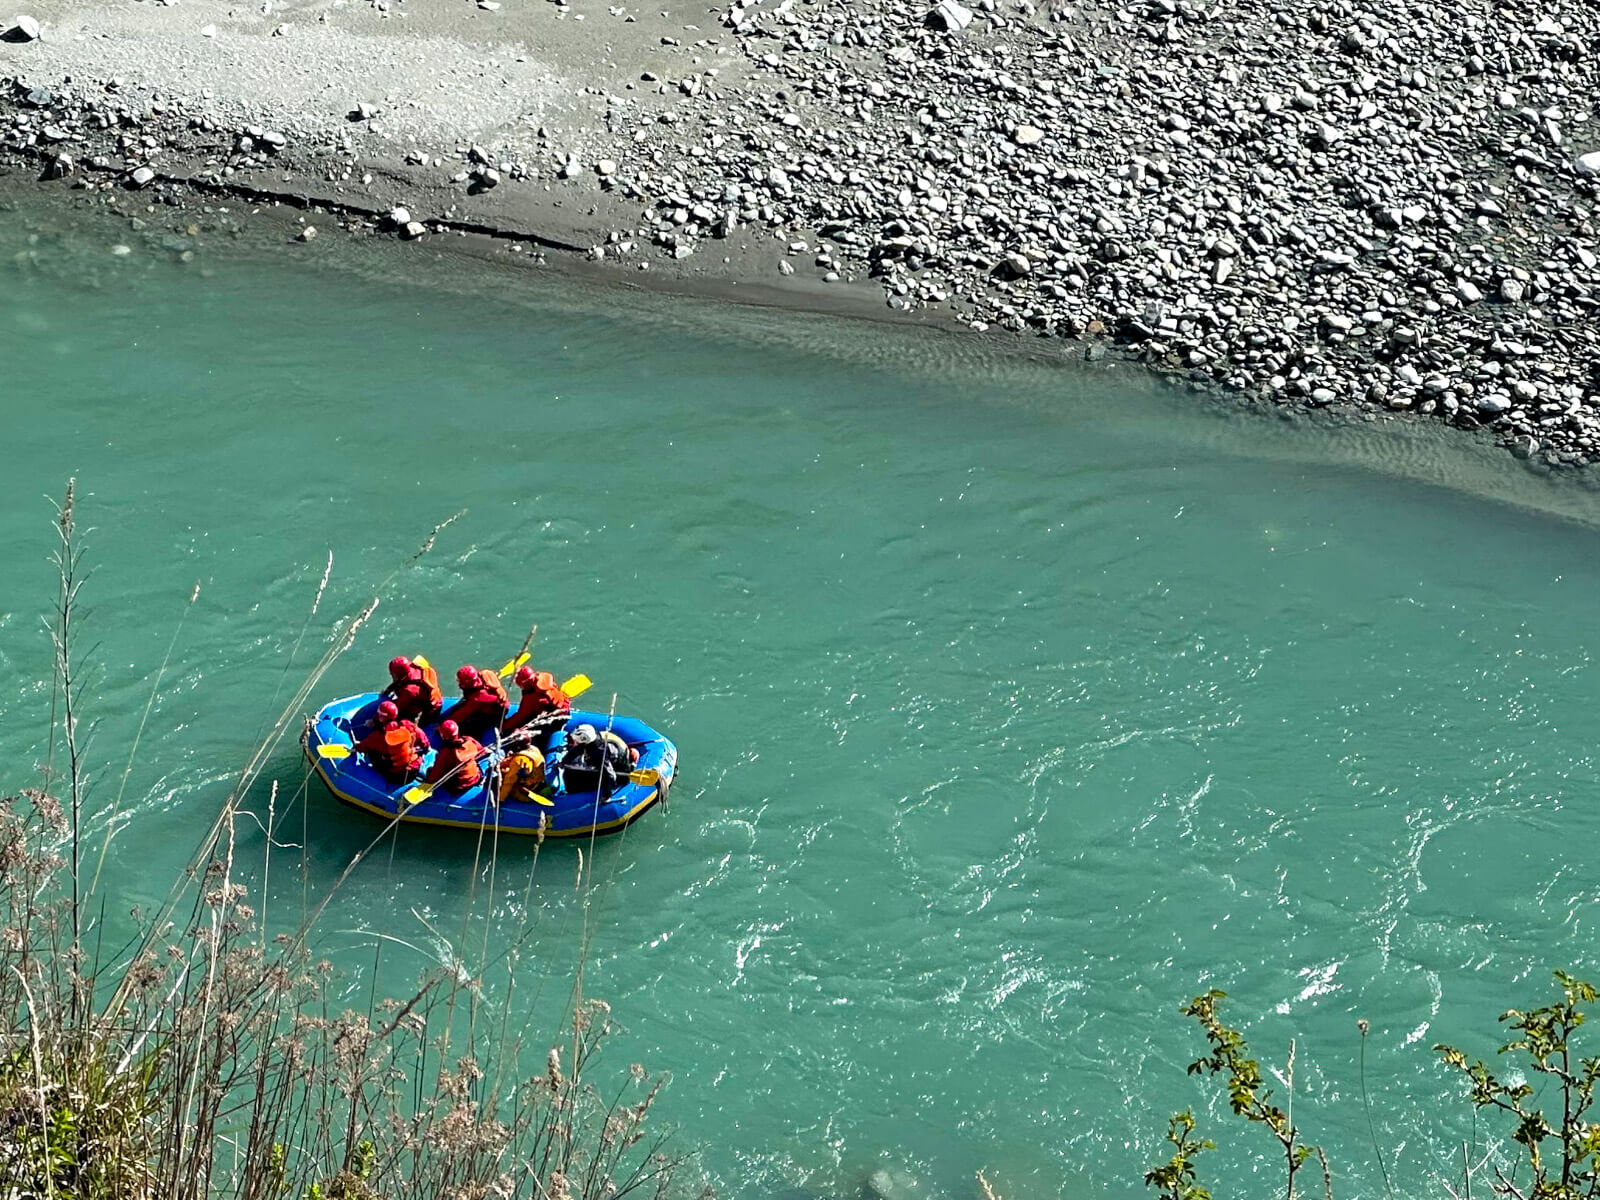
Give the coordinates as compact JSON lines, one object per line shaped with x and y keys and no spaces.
{"x":228,"y":893}
{"x":13,"y":852}
{"x":47,"y":807}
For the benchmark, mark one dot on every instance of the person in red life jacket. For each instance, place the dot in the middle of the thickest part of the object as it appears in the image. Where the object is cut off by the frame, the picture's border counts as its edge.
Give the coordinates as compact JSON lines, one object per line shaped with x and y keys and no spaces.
{"x":414,"y":688}
{"x":542,"y":709}
{"x":483,"y":701}
{"x":455,"y":767}
{"x":394,"y":746}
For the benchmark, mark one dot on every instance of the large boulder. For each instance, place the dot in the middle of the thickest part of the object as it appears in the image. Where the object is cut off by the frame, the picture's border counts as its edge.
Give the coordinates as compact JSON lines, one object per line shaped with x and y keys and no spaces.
{"x":22,"y":29}
{"x":948,"y":16}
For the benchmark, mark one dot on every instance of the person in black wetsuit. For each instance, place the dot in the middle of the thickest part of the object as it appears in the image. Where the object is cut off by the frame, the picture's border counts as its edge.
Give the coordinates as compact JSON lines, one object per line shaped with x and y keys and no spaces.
{"x":595,"y":762}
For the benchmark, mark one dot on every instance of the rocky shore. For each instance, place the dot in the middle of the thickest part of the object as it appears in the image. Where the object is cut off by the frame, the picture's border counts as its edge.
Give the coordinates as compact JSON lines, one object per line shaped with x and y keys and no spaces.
{"x":1388,"y":209}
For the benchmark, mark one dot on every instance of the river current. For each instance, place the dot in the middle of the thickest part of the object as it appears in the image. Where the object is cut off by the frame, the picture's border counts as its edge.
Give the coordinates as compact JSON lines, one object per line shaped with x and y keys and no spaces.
{"x":1017,"y":702}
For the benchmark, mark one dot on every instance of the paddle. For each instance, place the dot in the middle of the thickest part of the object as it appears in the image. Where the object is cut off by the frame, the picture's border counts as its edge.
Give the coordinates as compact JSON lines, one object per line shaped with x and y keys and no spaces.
{"x":522,"y":655}
{"x":332,"y":750}
{"x":528,"y":793}
{"x":575,"y":686}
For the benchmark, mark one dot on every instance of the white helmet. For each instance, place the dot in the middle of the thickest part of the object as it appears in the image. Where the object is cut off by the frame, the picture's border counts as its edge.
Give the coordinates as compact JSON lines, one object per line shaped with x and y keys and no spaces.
{"x":582,"y":735}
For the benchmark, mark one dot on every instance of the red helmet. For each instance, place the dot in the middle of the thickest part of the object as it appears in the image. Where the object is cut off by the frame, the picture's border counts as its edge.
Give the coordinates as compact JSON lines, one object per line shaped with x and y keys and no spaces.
{"x":524,"y":676}
{"x":387,"y":710}
{"x":468,"y":677}
{"x":449,"y":731}
{"x":399,"y":666}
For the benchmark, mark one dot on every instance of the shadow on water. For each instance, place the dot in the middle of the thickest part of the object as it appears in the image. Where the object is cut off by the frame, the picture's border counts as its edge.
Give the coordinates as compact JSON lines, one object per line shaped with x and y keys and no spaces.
{"x":317,"y":838}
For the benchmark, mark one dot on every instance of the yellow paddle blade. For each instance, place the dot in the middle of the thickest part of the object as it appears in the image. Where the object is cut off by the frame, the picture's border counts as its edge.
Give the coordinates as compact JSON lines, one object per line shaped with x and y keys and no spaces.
{"x":421,"y":662}
{"x":520,"y":796}
{"x":417,"y":794}
{"x":329,"y":750}
{"x":513,"y":664}
{"x":577,"y":685}
{"x":648,"y":775}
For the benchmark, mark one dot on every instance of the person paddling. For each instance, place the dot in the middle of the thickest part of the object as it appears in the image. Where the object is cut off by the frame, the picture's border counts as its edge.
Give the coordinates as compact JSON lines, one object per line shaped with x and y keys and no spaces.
{"x":483,"y":701}
{"x":455,"y":767}
{"x":595,"y":762}
{"x":542,"y":709}
{"x":414,"y":689}
{"x":395,"y":746}
{"x":521,"y":777}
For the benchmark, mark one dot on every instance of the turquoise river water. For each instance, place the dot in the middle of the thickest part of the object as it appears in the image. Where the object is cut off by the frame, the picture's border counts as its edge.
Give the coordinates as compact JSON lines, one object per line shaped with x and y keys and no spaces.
{"x":1017,"y":703}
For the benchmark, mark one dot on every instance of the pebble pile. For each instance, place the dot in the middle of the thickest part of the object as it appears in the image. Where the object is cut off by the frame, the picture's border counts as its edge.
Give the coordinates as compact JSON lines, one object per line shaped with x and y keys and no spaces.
{"x":1329,"y":204}
{"x":1387,"y":207}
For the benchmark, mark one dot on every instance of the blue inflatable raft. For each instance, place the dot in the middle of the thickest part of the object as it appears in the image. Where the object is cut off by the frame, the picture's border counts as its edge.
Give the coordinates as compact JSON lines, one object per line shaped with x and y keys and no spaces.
{"x":331,"y":735}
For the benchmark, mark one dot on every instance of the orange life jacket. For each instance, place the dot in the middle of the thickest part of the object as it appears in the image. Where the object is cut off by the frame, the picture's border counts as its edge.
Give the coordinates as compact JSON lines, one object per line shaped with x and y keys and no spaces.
{"x":481,"y":708}
{"x":538,"y":698}
{"x":430,"y":682}
{"x":396,"y":749}
{"x":419,"y":694}
{"x":492,"y":684}
{"x":455,"y":766}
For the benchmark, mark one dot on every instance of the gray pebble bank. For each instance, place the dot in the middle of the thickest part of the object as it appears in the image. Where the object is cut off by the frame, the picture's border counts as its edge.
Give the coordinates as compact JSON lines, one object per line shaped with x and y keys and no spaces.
{"x":1328,"y":204}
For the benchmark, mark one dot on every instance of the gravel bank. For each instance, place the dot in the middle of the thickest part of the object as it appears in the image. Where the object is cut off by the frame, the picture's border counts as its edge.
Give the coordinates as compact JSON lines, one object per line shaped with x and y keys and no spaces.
{"x":1385,"y":209}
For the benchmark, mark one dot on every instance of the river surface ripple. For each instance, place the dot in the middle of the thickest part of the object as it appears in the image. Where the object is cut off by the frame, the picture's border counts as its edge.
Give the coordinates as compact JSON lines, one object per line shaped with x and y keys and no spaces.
{"x":1016,"y":705}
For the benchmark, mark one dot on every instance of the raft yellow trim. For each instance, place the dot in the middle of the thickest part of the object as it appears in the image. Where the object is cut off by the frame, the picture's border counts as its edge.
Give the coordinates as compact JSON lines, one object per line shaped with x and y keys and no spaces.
{"x":650,"y":798}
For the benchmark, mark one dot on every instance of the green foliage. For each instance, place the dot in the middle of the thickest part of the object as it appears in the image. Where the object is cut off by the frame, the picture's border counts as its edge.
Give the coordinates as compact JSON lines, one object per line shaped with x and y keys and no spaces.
{"x":1570,"y":1168}
{"x":73,"y":1126}
{"x":1176,"y":1178}
{"x":274,"y":1172}
{"x":1230,"y":1057}
{"x":1559,"y":1138}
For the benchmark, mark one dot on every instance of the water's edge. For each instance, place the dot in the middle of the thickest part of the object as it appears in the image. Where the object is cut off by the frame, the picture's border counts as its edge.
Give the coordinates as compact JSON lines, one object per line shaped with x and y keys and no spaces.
{"x":82,"y":235}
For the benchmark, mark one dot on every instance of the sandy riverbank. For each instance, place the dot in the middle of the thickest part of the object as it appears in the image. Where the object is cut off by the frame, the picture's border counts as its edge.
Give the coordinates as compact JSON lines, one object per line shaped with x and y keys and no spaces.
{"x":1334,"y":207}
